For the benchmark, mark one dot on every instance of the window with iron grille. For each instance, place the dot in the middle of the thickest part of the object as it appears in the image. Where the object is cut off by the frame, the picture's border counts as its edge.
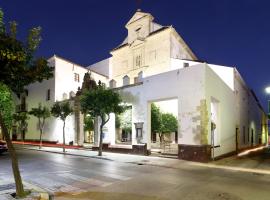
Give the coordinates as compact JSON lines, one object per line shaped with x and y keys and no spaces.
{"x":76,"y":77}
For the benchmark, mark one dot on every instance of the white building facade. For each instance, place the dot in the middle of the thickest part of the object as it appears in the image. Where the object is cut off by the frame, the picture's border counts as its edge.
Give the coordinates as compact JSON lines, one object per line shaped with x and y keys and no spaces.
{"x":217,"y":113}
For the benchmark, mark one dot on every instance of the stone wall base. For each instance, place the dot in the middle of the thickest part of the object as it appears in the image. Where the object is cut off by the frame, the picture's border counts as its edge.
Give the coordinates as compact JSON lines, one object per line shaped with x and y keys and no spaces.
{"x":140,"y":149}
{"x":198,"y":153}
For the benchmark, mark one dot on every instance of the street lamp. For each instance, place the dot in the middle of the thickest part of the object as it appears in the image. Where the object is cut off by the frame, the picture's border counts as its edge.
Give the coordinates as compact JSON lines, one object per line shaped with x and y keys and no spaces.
{"x":267,"y":90}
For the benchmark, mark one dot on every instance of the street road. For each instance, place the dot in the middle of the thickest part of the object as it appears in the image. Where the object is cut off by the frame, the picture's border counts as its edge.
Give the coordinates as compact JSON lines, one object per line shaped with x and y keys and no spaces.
{"x":74,"y":177}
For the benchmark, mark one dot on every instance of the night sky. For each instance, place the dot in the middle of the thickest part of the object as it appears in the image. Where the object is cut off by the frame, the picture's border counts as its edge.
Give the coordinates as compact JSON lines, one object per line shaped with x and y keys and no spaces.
{"x":226,"y":32}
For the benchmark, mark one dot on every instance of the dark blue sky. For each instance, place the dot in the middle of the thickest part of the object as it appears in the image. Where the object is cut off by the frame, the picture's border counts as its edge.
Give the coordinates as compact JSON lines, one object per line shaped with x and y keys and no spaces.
{"x":226,"y":32}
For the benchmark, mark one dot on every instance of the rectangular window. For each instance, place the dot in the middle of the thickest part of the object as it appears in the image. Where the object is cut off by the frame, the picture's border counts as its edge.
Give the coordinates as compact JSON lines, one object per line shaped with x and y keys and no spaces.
{"x":186,"y":65}
{"x":138,"y":61}
{"x":76,"y":77}
{"x":48,"y":95}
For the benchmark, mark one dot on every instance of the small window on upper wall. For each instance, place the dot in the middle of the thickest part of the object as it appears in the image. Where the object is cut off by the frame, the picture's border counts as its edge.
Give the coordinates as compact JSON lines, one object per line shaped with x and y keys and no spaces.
{"x":126,"y":80}
{"x":48,"y":95}
{"x":186,"y":65}
{"x":112,"y":83}
{"x":76,"y":77}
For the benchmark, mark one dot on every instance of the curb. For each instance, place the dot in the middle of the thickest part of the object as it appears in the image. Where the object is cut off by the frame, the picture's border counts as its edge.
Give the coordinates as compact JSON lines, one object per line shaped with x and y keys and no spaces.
{"x":70,"y":154}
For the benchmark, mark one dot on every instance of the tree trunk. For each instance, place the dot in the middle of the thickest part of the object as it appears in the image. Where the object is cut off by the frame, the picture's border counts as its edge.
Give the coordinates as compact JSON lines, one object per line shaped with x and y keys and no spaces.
{"x":160,"y":139}
{"x":40,"y":134}
{"x":100,"y":139}
{"x":40,"y":139}
{"x":64,"y":138}
{"x":103,"y":122}
{"x":15,"y":166}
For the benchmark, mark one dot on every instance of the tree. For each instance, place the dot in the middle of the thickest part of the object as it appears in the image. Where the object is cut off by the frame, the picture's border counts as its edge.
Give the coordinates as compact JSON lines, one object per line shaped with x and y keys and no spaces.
{"x":6,"y":118}
{"x":6,"y":107}
{"x":156,"y":120}
{"x":100,"y":102}
{"x":42,"y":113}
{"x":62,"y":111}
{"x":162,"y":123}
{"x":125,"y":120}
{"x":21,"y":119}
{"x":89,"y":126}
{"x":88,"y":123}
{"x":18,"y":68}
{"x":169,"y":123}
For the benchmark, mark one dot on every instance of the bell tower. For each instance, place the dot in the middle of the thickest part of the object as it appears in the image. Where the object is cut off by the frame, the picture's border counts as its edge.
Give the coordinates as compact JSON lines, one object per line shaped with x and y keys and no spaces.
{"x":139,"y":26}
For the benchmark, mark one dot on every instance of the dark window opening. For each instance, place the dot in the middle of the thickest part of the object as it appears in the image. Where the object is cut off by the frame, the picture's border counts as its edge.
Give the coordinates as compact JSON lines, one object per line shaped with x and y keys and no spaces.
{"x":76,"y":77}
{"x":48,"y":96}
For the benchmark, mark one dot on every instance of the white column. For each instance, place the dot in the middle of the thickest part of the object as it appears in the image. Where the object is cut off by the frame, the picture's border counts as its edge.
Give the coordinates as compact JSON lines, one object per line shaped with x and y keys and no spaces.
{"x":111,"y":128}
{"x":81,"y":129}
{"x":147,"y":126}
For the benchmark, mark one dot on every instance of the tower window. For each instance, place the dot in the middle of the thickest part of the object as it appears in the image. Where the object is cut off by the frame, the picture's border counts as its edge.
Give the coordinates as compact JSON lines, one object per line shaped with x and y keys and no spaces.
{"x":76,"y":77}
{"x":138,"y":61}
{"x":186,"y":65}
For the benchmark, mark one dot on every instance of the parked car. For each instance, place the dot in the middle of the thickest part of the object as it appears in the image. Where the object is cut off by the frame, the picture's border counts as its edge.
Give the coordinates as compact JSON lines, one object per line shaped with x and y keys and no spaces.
{"x":3,"y":146}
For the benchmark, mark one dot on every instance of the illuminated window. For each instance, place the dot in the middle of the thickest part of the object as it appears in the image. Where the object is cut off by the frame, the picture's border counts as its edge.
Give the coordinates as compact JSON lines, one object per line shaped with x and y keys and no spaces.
{"x":138,"y":61}
{"x":76,"y":77}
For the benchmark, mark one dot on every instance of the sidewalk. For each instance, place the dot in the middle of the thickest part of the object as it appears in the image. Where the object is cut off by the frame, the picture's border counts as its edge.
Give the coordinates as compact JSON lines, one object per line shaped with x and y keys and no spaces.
{"x":246,"y":164}
{"x":117,"y":157}
{"x":7,"y":187}
{"x":45,"y":144}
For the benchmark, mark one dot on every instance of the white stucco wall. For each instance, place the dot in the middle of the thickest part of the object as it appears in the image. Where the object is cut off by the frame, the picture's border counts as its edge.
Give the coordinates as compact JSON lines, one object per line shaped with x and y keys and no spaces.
{"x":62,"y":82}
{"x":102,"y":67}
{"x":184,"y":84}
{"x":219,"y":91}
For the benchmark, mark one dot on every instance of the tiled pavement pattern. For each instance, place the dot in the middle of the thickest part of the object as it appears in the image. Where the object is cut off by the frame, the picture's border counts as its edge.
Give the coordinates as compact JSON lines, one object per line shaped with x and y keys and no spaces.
{"x":66,"y":180}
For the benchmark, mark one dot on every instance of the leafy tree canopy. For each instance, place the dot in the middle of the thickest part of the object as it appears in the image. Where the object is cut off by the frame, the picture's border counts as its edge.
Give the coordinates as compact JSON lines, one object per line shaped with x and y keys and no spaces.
{"x":155,"y":118}
{"x":20,"y":117}
{"x":6,"y":105}
{"x":61,"y":110}
{"x":88,"y":123}
{"x":125,"y":119}
{"x":18,"y":67}
{"x":40,"y":112}
{"x":169,"y":123}
{"x":101,"y":102}
{"x":162,"y":122}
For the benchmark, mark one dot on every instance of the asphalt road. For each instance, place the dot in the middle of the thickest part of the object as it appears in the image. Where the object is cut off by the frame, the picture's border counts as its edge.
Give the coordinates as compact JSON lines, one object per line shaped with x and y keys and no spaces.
{"x":74,"y":177}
